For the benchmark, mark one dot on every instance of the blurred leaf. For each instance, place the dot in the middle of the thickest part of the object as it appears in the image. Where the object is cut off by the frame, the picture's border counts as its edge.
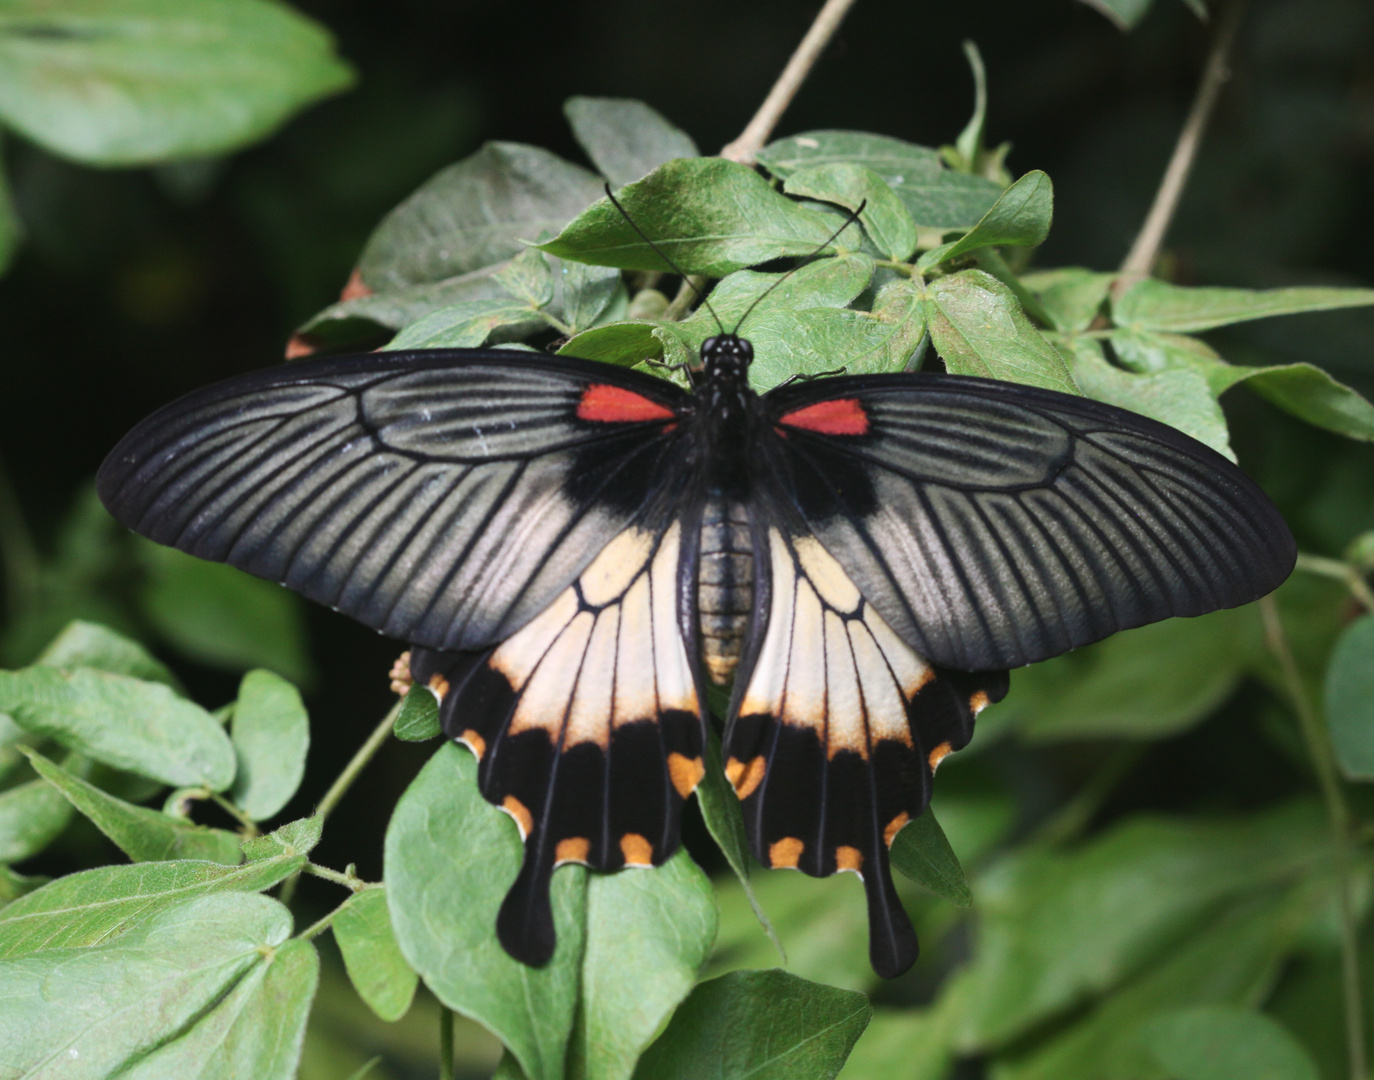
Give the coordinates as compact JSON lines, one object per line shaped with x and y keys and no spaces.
{"x":1057,"y":926}
{"x":92,"y":907}
{"x":271,"y":734}
{"x":886,"y":220}
{"x":591,"y":294}
{"x":708,"y":215}
{"x":625,"y":138}
{"x":1150,"y":682}
{"x":1350,"y":700}
{"x":84,"y":644}
{"x":444,"y":904}
{"x":467,"y":325}
{"x":394,"y":308}
{"x":1178,"y":397}
{"x":125,"y":1009}
{"x":1071,"y":296}
{"x":1221,"y":1042}
{"x":763,"y":1025}
{"x":139,"y":81}
{"x":13,"y":885}
{"x":979,"y":329}
{"x":375,"y":965}
{"x":528,"y":277}
{"x":1021,"y":217}
{"x":11,"y":228}
{"x":901,"y":1044}
{"x":1156,"y":305}
{"x":222,"y":616}
{"x":1125,"y":13}
{"x":648,"y":933}
{"x":142,"y":834}
{"x":418,"y":719}
{"x":473,"y":214}
{"x":921,"y":852}
{"x":140,"y":726}
{"x":297,"y":837}
{"x":33,"y":814}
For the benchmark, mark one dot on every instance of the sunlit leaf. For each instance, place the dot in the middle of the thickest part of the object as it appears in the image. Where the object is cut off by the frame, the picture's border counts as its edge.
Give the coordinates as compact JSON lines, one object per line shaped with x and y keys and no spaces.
{"x":1156,"y":305}
{"x":375,"y":965}
{"x":294,"y":838}
{"x":886,"y":220}
{"x":271,"y":734}
{"x":625,"y":138}
{"x":1020,"y":217}
{"x":85,"y":644}
{"x":467,"y":325}
{"x":1071,"y":296}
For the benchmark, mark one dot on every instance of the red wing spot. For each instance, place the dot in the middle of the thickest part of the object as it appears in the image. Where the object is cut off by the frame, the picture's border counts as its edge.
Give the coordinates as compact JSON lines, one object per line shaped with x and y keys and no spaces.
{"x":842,"y":416}
{"x":615,"y":404}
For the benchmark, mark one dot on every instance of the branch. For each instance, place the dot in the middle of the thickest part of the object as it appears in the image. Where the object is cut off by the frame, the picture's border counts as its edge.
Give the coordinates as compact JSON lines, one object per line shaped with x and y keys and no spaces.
{"x":758,"y":130}
{"x":1141,"y":258}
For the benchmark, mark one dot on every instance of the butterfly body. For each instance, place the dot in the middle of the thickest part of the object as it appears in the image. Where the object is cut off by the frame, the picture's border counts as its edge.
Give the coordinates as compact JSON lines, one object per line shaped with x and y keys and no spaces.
{"x":575,"y":550}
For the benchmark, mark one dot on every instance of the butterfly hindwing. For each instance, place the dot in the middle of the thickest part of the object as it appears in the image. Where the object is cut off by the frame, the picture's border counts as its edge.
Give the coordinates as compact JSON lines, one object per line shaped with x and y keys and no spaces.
{"x":837,"y":728}
{"x":996,"y":525}
{"x":587,"y":723}
{"x":441,"y":497}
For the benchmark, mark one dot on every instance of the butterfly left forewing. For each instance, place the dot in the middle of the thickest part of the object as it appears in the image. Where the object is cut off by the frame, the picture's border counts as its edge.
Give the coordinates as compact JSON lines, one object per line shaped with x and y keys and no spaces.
{"x":587,"y":723}
{"x":837,"y":728}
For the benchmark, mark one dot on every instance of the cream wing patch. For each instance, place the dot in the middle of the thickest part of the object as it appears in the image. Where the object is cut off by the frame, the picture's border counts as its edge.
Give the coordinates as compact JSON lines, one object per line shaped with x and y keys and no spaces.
{"x":829,"y":661}
{"x":608,"y":651}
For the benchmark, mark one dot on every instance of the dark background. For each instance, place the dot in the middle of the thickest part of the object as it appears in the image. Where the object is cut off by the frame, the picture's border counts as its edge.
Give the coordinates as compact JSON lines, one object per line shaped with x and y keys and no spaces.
{"x":136,"y":286}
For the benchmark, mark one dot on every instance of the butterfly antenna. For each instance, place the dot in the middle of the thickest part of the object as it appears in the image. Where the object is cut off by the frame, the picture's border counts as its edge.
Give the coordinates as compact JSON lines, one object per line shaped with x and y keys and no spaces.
{"x":853,"y":217}
{"x":701,"y":296}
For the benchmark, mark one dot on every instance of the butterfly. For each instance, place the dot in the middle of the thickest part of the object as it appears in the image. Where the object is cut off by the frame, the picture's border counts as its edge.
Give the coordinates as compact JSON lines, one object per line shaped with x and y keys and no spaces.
{"x":577,"y":550}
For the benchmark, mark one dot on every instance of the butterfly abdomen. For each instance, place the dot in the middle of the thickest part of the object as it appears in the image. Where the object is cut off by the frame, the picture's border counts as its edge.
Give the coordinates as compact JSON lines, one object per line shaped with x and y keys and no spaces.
{"x":725,"y":586}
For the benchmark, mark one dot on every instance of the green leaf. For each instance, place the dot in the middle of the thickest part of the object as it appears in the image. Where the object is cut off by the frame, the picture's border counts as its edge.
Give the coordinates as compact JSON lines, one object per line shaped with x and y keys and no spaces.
{"x":1350,"y":699}
{"x":708,"y":215}
{"x":1125,"y":13}
{"x":884,"y":217}
{"x":467,"y":325}
{"x":128,"y":723}
{"x":91,"y":907}
{"x":222,"y":616}
{"x":149,"y":998}
{"x":14,"y":885}
{"x":591,"y":294}
{"x":921,"y":852}
{"x":142,"y":834}
{"x":1071,"y":296}
{"x":528,"y":277}
{"x":623,"y":343}
{"x":979,"y":328}
{"x":143,"y":81}
{"x":399,"y":306}
{"x":648,"y":933}
{"x":969,"y":144}
{"x":418,"y":719}
{"x":374,"y":962}
{"x":763,"y":1025}
{"x":1020,"y":217}
{"x":1181,"y":398}
{"x":625,"y":138}
{"x":85,"y":644}
{"x":473,"y":214}
{"x":908,"y":1043}
{"x":450,"y":857}
{"x":1224,"y":1042}
{"x":11,"y":228}
{"x":297,"y":837}
{"x":33,"y":814}
{"x":271,"y":734}
{"x":1157,"y":305}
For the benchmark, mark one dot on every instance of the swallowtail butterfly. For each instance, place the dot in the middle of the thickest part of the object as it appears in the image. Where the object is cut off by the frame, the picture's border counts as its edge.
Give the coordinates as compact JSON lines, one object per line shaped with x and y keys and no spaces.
{"x":576,"y":549}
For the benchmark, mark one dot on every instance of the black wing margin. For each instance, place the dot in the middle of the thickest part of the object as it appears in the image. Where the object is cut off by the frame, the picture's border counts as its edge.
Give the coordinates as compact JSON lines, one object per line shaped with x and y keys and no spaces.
{"x":443,"y":497}
{"x":995,"y":525}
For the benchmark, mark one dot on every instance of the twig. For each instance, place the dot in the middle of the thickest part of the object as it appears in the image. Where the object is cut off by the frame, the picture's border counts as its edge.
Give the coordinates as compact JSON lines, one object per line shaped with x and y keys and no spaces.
{"x":758,"y":130}
{"x":1141,"y":258}
{"x":446,"y":1070}
{"x":365,"y":753}
{"x":250,"y":827}
{"x":1338,"y":812}
{"x":1341,"y":571}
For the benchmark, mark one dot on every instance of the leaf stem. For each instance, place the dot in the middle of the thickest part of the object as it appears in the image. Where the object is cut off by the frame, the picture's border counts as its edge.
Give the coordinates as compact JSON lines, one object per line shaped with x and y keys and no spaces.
{"x":446,"y":1070}
{"x":1141,"y":258}
{"x":348,"y":879}
{"x":365,"y":753}
{"x":758,"y":130}
{"x":1338,"y":812}
{"x":250,"y":827}
{"x":1341,"y":571}
{"x":554,"y":321}
{"x":690,"y":288}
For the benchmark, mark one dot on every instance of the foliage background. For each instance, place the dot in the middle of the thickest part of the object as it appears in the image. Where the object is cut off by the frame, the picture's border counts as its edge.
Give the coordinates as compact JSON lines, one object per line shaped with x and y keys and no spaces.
{"x":134,"y":286}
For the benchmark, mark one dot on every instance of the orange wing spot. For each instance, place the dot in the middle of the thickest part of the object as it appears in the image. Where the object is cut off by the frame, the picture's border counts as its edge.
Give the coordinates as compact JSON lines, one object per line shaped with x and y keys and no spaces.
{"x":785,"y":853}
{"x":573,"y":849}
{"x":894,"y":827}
{"x":734,"y":769}
{"x":849,"y":858}
{"x":685,"y":772}
{"x":637,"y":850}
{"x":516,"y":809}
{"x":615,"y":404}
{"x":749,"y":777}
{"x":939,"y":754}
{"x":439,"y":685}
{"x":478,"y":744}
{"x":978,"y":702}
{"x":843,"y":416}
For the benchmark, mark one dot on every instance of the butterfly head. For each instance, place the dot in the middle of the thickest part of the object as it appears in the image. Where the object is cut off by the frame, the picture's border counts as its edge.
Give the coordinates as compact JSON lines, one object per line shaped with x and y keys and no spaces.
{"x":726,"y":357}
